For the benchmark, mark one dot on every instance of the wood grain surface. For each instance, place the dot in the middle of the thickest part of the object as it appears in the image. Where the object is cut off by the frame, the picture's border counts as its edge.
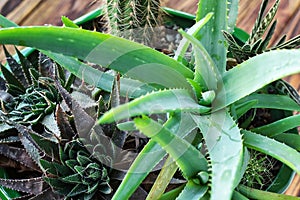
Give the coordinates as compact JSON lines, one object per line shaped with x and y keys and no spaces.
{"x":39,"y":12}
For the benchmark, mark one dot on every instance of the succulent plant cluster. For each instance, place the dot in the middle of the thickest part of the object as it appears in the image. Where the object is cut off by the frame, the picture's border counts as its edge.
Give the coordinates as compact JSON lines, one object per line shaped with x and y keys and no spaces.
{"x":37,"y":133}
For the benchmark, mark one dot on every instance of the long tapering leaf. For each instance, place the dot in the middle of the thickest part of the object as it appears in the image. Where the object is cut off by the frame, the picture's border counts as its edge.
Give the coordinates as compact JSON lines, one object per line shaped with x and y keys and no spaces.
{"x":224,"y":143}
{"x":116,"y":53}
{"x":189,"y":159}
{"x":152,"y":153}
{"x":237,"y":83}
{"x":155,"y":102}
{"x":192,"y":191}
{"x":279,"y":126}
{"x":280,"y":151}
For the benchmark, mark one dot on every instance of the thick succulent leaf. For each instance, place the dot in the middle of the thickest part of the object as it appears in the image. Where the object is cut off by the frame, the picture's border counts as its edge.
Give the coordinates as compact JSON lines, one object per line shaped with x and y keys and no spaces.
{"x":25,"y":64}
{"x":19,"y":155}
{"x":232,"y":14}
{"x":237,"y":83}
{"x":4,"y":22}
{"x":260,"y":194}
{"x":129,"y":87}
{"x":211,"y":35}
{"x":192,"y":191}
{"x":292,"y":140}
{"x":184,"y":43}
{"x":126,"y":57}
{"x":155,"y":102}
{"x":224,"y":144}
{"x":12,"y":80}
{"x":206,"y":72}
{"x":273,"y":101}
{"x":51,"y":124}
{"x":31,"y":186}
{"x":64,"y":125}
{"x":279,"y":126}
{"x":152,"y":153}
{"x":188,"y":158}
{"x":279,"y":151}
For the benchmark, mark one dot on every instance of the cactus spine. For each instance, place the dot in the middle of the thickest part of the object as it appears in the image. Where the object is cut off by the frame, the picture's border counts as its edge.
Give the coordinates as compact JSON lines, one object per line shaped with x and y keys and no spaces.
{"x":133,"y":19}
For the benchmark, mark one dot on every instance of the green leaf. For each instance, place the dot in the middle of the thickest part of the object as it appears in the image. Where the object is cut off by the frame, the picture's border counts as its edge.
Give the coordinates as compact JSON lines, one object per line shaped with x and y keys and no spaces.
{"x":155,"y":102}
{"x":68,"y":23}
{"x":259,"y":194}
{"x":4,"y":22}
{"x":237,"y":83}
{"x":188,"y":158}
{"x":273,"y":101}
{"x":115,"y":53}
{"x":192,"y":191}
{"x":152,"y":153}
{"x":129,"y":87}
{"x":279,"y":151}
{"x":278,"y":126}
{"x":292,"y":140}
{"x":210,"y":35}
{"x":224,"y":144}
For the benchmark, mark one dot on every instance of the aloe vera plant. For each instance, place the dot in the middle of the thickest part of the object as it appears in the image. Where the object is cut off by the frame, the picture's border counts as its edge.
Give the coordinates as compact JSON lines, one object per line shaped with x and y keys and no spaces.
{"x":201,"y":106}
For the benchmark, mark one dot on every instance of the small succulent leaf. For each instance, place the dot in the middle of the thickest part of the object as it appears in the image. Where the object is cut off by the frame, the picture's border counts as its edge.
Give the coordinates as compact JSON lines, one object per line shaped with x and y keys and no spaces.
{"x":58,"y":186}
{"x":31,"y":186}
{"x":290,"y":44}
{"x":188,"y":158}
{"x":264,"y":23}
{"x":192,"y":191}
{"x":267,"y":39}
{"x":10,"y":139}
{"x":51,"y":124}
{"x":29,"y":144}
{"x":292,"y":140}
{"x":46,"y":194}
{"x":74,"y":178}
{"x":12,"y":81}
{"x":5,"y":127}
{"x":220,"y":131}
{"x":205,"y":70}
{"x":48,"y":147}
{"x":83,"y":160}
{"x":273,"y":101}
{"x":279,"y":126}
{"x":71,"y":163}
{"x":46,"y":66}
{"x":54,"y":168}
{"x":68,"y":23}
{"x":67,"y":132}
{"x":285,"y":88}
{"x":15,"y":67}
{"x":184,"y":43}
{"x":196,"y":88}
{"x":19,"y":155}
{"x":265,"y":63}
{"x":96,"y":52}
{"x":156,"y":102}
{"x":151,"y":154}
{"x":78,"y":189}
{"x":279,"y":151}
{"x":25,"y":64}
{"x":83,"y":100}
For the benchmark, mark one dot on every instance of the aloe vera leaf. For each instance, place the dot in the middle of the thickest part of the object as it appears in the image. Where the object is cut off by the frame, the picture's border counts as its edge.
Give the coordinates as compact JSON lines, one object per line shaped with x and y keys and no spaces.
{"x":4,"y":22}
{"x":188,"y":158}
{"x":279,"y":151}
{"x":224,"y":143}
{"x":273,"y":101}
{"x":237,"y":83}
{"x":163,"y":179}
{"x":68,"y":23}
{"x":115,"y":53}
{"x":278,"y":126}
{"x":205,"y":69}
{"x":232,"y":6}
{"x":192,"y":191}
{"x":260,"y":194}
{"x":292,"y":140}
{"x":129,"y":87}
{"x":152,"y":153}
{"x":244,"y":107}
{"x":210,"y":35}
{"x":184,"y":43}
{"x":155,"y":102}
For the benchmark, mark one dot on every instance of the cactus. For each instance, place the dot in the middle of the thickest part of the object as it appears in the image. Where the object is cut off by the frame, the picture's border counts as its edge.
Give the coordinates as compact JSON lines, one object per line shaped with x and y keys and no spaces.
{"x":133,"y":19}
